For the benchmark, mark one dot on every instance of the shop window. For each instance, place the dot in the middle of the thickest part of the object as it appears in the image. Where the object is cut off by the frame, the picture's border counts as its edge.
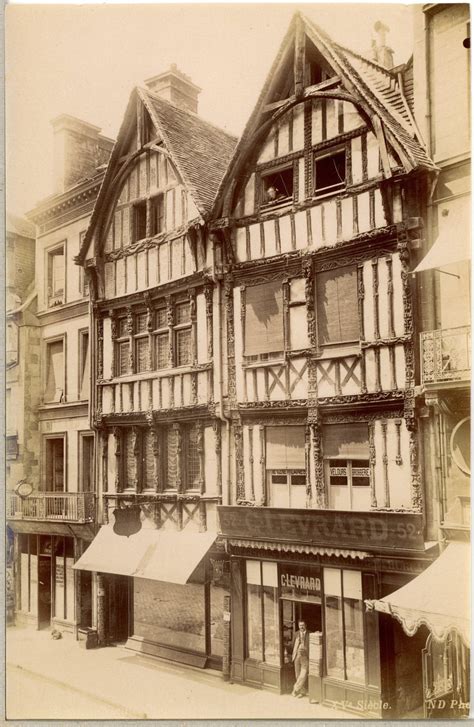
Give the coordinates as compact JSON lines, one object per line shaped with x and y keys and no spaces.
{"x":157,"y":215}
{"x":84,"y":365}
{"x":285,"y":464}
{"x":63,"y":575}
{"x":263,"y":637}
{"x":87,"y":463}
{"x":330,"y":172}
{"x":28,"y":574}
{"x":54,"y":464}
{"x":347,"y":466}
{"x":344,"y":611}
{"x":277,"y":187}
{"x":264,"y":329}
{"x":54,"y":390}
{"x":139,"y":221}
{"x":337,"y":306}
{"x":55,"y":284}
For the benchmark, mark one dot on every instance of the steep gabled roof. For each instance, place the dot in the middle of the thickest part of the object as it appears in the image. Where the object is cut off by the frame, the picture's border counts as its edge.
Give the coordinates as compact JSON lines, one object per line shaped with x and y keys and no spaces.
{"x":366,"y":80}
{"x":200,"y":151}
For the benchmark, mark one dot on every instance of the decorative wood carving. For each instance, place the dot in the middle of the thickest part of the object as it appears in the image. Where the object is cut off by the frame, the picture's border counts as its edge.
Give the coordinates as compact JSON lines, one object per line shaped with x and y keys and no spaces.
{"x":308,"y":152}
{"x":179,"y":445}
{"x":216,"y":425}
{"x":360,"y":299}
{"x":385,"y":463}
{"x":229,"y":307}
{"x":398,"y":458}
{"x":416,"y":491}
{"x":391,"y":323}
{"x":307,"y":464}
{"x":156,"y":448}
{"x":239,"y":459}
{"x":373,"y":497}
{"x":310,"y":303}
{"x":316,"y":438}
{"x":208,"y":295}
{"x":263,"y":469}
{"x":104,"y":443}
{"x":100,"y":347}
{"x":118,"y":458}
{"x":200,"y":451}
{"x":251,"y":462}
{"x":375,"y":296}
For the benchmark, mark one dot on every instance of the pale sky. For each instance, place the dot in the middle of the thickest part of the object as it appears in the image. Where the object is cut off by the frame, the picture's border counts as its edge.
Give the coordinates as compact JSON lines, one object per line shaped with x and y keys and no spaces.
{"x":84,"y":60}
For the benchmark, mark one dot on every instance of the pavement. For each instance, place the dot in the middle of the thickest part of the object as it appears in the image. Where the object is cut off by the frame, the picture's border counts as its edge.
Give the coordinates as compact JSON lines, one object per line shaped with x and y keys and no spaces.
{"x":58,"y":679}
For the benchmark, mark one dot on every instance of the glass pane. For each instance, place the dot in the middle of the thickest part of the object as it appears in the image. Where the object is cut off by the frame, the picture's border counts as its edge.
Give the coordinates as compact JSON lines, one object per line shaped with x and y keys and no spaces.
{"x":162,"y":351}
{"x":270,"y":574}
{"x":161,"y":318}
{"x":170,"y":614}
{"x":334,"y":640}
{"x":69,"y":589}
{"x":279,"y":495}
{"x":253,"y":571}
{"x":298,"y":290}
{"x":264,"y":319}
{"x":25,"y":578}
{"x":360,"y":473}
{"x":142,"y":355}
{"x":298,"y":496}
{"x":352,"y":583}
{"x":254,"y":622}
{"x":270,"y":616}
{"x":337,"y":306}
{"x":124,"y":358}
{"x":353,"y":619}
{"x":55,"y":371}
{"x":182,"y":313}
{"x":122,"y":327}
{"x":220,"y":587}
{"x":140,"y":323}
{"x":338,"y":472}
{"x":172,"y":458}
{"x":193,"y":466}
{"x":332,"y":582}
{"x":148,"y":460}
{"x":183,"y":347}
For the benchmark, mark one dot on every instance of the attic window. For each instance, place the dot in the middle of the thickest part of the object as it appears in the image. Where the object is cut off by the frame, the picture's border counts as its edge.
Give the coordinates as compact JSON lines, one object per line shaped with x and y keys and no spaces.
{"x":157,"y":213}
{"x":330,"y":172}
{"x":139,"y":221}
{"x":277,"y":187}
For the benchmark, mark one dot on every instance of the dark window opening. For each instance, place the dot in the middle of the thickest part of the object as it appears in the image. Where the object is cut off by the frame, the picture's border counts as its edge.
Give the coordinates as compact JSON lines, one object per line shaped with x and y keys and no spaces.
{"x":157,"y":215}
{"x":139,"y":221}
{"x":278,"y":186}
{"x":54,"y":465}
{"x":330,"y":173}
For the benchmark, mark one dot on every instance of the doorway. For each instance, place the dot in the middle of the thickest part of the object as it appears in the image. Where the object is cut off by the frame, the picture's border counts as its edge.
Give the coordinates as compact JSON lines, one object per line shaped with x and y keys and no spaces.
{"x":44,"y":591}
{"x":294,"y":611}
{"x":119,"y":608}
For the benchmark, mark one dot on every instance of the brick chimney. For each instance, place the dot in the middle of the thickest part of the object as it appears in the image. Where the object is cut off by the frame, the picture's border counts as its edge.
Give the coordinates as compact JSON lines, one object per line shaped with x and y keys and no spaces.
{"x":79,"y":149}
{"x":176,"y":87}
{"x":381,"y":52}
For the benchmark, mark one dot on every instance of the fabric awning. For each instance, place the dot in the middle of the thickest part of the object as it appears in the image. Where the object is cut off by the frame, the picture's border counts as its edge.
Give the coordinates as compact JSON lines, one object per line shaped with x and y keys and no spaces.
{"x":438,"y":598}
{"x":453,"y":244}
{"x":158,"y":555}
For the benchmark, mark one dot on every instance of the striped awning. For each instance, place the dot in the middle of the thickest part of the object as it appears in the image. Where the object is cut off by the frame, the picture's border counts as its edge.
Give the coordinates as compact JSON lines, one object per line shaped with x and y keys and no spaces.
{"x":295,"y":548}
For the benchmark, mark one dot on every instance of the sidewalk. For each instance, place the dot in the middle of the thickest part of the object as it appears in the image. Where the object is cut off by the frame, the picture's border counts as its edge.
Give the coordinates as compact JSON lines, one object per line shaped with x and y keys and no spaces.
{"x":145,"y":687}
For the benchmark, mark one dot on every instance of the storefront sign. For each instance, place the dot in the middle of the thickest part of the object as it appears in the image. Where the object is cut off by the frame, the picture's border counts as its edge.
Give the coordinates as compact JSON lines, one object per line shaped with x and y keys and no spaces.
{"x":300,"y":582}
{"x":374,"y":531}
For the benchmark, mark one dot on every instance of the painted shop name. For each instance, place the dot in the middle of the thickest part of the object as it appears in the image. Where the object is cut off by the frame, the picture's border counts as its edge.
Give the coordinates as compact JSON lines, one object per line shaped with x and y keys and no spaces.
{"x":303,"y":583}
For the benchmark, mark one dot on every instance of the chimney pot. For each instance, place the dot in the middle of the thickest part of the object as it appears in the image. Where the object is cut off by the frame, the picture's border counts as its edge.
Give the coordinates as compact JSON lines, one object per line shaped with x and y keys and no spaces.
{"x":176,"y":87}
{"x":381,"y":52}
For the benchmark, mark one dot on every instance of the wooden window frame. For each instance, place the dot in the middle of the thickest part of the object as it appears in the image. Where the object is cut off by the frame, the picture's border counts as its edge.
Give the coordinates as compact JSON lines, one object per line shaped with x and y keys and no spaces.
{"x":88,"y":434}
{"x":328,"y":191}
{"x":157,"y":332}
{"x":283,"y":200}
{"x":119,"y":339}
{"x":50,"y":252}
{"x":137,"y":208}
{"x":140,"y":336}
{"x":330,"y":347}
{"x":46,"y":343}
{"x":177,"y":328}
{"x":81,"y":334}
{"x":157,"y":199}
{"x":45,"y":439}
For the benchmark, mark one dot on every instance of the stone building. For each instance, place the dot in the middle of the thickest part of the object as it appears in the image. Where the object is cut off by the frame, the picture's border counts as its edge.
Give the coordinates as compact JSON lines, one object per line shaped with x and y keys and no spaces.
{"x":441,"y":93}
{"x":51,"y":505}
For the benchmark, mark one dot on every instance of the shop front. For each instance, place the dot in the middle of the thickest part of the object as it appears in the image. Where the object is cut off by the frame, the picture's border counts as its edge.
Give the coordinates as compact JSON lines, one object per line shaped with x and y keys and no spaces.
{"x":163,"y":593}
{"x":321,"y":567}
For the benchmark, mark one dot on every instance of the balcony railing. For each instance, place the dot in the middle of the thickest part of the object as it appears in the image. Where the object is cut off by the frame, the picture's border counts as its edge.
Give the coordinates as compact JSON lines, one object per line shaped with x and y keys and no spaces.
{"x":446,"y":355}
{"x":76,"y":507}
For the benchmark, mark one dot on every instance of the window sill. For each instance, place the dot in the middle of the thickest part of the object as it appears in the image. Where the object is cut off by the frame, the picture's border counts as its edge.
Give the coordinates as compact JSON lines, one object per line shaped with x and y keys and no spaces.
{"x":156,"y":374}
{"x":278,"y":204}
{"x":338,"y":350}
{"x":331,"y":193}
{"x":263,"y":364}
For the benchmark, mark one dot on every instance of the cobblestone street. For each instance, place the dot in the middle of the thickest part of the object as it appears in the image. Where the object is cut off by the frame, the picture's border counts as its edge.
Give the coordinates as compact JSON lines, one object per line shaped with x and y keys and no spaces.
{"x":48,"y":679}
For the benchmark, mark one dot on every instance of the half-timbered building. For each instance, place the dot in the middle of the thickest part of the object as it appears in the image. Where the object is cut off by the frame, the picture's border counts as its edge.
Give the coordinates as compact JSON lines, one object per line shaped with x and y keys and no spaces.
{"x":158,"y":397}
{"x":318,"y":216}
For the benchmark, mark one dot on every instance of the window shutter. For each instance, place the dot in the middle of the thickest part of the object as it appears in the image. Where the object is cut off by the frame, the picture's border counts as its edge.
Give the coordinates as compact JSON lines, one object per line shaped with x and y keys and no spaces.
{"x":285,"y":448}
{"x":337,"y":306}
{"x":264,"y":319}
{"x":346,"y":441}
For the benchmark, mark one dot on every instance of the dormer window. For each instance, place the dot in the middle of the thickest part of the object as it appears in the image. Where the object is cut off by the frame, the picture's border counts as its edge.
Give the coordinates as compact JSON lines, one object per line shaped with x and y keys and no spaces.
{"x":277,"y":186}
{"x":330,"y":172}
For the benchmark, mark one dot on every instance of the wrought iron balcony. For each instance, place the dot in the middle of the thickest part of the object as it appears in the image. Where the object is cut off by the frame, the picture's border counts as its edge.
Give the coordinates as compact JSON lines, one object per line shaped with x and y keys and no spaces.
{"x":76,"y":507}
{"x":446,"y":355}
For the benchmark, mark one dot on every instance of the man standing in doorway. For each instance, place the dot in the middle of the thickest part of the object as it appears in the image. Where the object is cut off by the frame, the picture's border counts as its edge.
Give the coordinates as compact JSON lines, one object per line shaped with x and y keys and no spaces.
{"x":301,"y":660}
